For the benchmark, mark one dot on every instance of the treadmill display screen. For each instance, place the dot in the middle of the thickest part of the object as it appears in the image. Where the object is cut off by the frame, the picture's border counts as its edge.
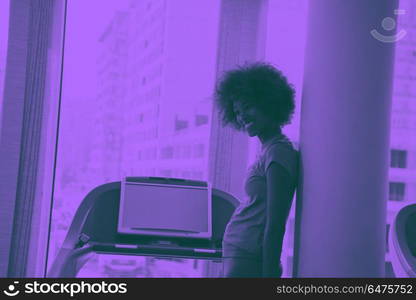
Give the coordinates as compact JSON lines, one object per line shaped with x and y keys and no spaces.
{"x":165,"y":210}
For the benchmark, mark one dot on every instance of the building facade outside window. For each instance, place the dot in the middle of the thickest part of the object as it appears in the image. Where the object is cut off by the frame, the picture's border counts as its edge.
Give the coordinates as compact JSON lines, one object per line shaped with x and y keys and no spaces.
{"x":397,"y":191}
{"x":398,"y":158}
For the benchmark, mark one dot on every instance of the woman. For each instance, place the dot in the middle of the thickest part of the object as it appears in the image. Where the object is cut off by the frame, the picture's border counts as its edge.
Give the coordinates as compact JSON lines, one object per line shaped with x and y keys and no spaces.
{"x":257,"y":99}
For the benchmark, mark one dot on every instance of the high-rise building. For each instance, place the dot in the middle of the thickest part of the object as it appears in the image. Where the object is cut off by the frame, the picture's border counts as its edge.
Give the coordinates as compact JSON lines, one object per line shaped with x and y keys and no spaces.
{"x":153,"y":107}
{"x":108,"y":107}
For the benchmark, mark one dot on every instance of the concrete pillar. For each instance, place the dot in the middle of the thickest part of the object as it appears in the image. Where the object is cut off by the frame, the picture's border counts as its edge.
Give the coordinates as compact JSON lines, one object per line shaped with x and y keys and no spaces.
{"x":344,"y":144}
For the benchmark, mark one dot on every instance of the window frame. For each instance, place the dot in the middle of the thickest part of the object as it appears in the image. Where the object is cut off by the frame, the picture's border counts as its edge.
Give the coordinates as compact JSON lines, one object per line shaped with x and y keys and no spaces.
{"x":28,"y":133}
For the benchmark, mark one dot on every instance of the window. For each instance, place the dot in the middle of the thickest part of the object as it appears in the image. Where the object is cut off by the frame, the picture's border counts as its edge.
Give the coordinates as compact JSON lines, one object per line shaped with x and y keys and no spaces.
{"x":166,"y":152}
{"x":33,"y":54}
{"x":387,"y":237}
{"x":201,"y":120}
{"x":398,"y":158}
{"x":180,"y":124}
{"x":150,"y":84}
{"x":397,"y":191}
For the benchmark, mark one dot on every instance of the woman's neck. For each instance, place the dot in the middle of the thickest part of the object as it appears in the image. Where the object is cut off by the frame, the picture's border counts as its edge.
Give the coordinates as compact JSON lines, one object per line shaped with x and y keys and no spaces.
{"x":268,"y":135}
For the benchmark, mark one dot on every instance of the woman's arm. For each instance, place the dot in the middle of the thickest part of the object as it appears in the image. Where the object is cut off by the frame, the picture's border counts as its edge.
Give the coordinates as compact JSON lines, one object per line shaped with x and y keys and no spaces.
{"x":277,"y":210}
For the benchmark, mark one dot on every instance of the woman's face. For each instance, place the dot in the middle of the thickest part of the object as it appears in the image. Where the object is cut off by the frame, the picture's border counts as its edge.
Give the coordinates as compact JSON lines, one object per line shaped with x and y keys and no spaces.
{"x":253,"y":120}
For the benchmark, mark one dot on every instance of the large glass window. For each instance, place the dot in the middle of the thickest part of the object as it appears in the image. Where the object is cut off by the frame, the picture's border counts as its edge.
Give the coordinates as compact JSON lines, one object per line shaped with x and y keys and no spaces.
{"x":136,"y":101}
{"x":397,"y":191}
{"x":398,"y":158}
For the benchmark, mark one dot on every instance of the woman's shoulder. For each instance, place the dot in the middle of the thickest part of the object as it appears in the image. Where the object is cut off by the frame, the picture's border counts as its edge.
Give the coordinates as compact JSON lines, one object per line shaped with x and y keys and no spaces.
{"x":283,"y":152}
{"x":281,"y":143}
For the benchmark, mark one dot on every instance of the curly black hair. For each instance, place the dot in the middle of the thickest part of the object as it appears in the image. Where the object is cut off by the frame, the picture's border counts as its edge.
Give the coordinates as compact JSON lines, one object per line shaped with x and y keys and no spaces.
{"x":258,"y":85}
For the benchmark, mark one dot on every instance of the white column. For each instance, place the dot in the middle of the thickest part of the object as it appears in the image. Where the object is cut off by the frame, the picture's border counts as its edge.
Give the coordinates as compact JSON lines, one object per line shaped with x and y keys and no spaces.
{"x":341,"y":210}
